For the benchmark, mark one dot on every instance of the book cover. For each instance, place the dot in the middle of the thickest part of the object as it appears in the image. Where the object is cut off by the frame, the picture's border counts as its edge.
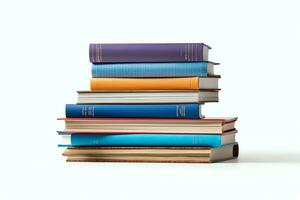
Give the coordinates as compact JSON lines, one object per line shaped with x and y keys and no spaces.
{"x":187,"y":69}
{"x":186,"y":83}
{"x":177,"y":140}
{"x":192,"y":111}
{"x":148,"y":52}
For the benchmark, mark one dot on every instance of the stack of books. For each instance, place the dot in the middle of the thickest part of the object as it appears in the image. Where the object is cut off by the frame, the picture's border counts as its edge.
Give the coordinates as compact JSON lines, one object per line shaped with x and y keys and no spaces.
{"x":145,"y":105}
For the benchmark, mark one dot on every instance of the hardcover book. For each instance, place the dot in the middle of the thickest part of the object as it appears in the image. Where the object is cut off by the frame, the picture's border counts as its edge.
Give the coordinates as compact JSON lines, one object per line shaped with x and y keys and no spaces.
{"x":192,"y":111}
{"x":152,"y":154}
{"x":187,"y":83}
{"x":153,"y":69}
{"x":149,"y":125}
{"x":173,"y":140}
{"x":148,"y":52}
{"x":147,"y":96}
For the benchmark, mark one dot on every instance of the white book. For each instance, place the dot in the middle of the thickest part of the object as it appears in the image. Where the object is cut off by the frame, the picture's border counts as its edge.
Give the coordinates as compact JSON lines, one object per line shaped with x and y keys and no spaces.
{"x":151,"y":96}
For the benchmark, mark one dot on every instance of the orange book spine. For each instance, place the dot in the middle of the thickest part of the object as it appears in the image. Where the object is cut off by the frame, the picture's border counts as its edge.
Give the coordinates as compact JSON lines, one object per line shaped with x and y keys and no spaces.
{"x":189,"y":83}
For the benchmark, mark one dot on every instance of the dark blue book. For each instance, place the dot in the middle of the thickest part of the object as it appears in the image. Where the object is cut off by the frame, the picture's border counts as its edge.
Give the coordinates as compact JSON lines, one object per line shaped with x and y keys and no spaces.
{"x":188,"y":111}
{"x":165,"y":140}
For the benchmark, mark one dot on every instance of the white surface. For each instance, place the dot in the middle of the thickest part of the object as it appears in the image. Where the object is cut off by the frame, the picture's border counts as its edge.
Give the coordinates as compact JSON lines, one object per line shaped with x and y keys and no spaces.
{"x":44,"y":60}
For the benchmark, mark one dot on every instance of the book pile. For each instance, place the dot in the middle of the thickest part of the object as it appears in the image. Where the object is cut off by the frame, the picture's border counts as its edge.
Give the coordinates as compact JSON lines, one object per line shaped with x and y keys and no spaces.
{"x":145,"y":105}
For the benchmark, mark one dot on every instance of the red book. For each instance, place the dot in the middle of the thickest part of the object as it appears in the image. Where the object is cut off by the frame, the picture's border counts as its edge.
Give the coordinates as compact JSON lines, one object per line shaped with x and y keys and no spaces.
{"x":144,"y":125}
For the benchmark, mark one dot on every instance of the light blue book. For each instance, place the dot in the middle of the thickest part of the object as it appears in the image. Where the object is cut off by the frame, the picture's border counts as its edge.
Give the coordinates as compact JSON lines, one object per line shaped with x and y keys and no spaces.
{"x":180,"y":69}
{"x":165,"y":140}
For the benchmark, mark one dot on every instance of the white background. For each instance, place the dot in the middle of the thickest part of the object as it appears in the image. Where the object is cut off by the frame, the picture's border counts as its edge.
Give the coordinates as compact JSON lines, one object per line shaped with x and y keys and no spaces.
{"x":44,"y":60}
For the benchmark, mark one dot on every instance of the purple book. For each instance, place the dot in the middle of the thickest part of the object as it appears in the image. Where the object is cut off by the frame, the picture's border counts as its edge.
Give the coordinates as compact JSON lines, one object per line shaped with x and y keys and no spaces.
{"x":148,"y":52}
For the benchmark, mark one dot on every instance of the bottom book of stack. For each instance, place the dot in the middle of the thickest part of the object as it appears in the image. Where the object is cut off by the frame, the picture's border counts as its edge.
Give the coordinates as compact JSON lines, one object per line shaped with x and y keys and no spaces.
{"x":152,"y":154}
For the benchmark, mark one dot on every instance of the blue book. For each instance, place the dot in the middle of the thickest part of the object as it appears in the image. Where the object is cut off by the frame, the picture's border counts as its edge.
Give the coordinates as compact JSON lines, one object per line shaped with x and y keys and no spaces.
{"x":185,"y":69}
{"x":189,"y":111}
{"x":165,"y":140}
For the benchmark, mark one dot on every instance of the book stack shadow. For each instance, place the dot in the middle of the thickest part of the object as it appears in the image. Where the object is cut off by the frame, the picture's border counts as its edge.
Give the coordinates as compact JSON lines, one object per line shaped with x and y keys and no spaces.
{"x":145,"y":105}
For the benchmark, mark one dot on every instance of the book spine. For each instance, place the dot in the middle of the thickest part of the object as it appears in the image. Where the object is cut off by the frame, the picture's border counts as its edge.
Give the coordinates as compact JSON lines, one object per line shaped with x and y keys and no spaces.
{"x":166,"y":140}
{"x":176,"y":52}
{"x":184,"y":111}
{"x":124,"y":70}
{"x":190,"y":83}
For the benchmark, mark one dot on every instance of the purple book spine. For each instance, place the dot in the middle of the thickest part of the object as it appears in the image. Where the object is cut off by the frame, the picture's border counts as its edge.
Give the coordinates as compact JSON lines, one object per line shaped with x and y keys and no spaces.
{"x":150,"y":52}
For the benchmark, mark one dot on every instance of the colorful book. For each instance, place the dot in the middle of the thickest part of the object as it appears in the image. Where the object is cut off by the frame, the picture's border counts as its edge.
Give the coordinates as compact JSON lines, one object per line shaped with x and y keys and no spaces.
{"x":148,"y":52}
{"x":164,"y":140}
{"x":149,"y":125}
{"x":187,"y":83}
{"x":152,"y":154}
{"x":153,"y":69}
{"x":147,"y":96}
{"x":192,"y":111}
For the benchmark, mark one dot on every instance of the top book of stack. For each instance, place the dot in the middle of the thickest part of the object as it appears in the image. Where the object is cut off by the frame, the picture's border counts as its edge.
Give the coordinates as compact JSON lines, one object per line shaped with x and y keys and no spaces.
{"x":148,"y":52}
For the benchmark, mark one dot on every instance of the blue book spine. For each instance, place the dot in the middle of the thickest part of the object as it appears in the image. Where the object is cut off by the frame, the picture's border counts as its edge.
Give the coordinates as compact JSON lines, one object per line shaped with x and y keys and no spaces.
{"x":145,"y":140}
{"x":150,"y":69}
{"x":188,"y":111}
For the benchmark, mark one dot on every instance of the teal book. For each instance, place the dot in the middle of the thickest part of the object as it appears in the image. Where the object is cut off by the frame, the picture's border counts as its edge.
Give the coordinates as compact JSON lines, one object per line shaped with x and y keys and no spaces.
{"x":166,"y":140}
{"x":185,"y":69}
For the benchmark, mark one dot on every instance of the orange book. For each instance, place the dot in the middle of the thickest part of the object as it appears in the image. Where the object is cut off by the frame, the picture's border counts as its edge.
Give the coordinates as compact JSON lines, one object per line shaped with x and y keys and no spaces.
{"x":185,"y":83}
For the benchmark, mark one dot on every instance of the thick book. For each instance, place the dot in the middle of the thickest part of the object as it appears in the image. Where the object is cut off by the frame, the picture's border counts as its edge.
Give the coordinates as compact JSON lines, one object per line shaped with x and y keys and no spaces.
{"x":148,"y":52}
{"x":173,"y":140}
{"x":147,"y":96}
{"x":153,"y":69}
{"x":187,"y":83}
{"x":149,"y":125}
{"x":192,"y":111}
{"x":152,"y":154}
